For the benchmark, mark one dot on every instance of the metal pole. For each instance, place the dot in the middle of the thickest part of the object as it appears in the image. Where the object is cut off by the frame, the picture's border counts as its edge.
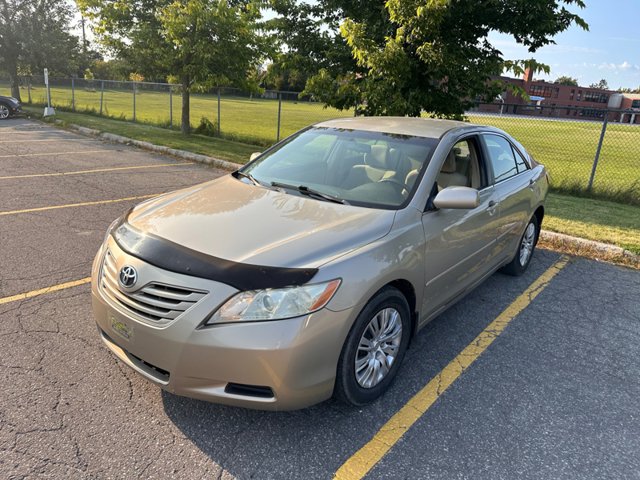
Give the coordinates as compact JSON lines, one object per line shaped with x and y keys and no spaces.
{"x":73,"y":95}
{"x":48,"y":94}
{"x":170,"y":107}
{"x":595,"y":160}
{"x":218,"y":111}
{"x":29,"y":89}
{"x":134,"y":100}
{"x":101,"y":95}
{"x":279,"y":115}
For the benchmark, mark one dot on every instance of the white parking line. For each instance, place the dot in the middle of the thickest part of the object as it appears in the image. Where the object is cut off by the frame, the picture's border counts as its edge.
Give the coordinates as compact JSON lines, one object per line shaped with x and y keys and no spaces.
{"x":83,"y":152}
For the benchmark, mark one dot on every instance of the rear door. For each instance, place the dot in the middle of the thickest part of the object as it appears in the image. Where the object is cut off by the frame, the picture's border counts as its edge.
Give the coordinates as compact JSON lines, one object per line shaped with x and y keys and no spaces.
{"x":514,"y":190}
{"x":460,"y":244}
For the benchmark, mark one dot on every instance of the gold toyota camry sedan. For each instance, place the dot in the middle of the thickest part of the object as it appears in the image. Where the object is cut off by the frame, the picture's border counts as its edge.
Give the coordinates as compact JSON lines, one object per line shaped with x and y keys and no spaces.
{"x":304,"y":274}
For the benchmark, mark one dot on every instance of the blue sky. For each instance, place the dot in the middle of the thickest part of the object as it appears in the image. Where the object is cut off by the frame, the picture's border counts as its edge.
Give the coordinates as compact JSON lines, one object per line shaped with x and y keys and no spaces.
{"x":609,"y":50}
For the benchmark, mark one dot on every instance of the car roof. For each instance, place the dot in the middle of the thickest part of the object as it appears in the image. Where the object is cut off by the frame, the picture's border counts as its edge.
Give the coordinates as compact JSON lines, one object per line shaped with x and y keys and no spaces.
{"x":419,"y":127}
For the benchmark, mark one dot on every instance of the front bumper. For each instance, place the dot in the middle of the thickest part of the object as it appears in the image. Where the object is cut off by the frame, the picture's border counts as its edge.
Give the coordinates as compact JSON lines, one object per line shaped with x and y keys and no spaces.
{"x":15,"y":109}
{"x":286,"y":364}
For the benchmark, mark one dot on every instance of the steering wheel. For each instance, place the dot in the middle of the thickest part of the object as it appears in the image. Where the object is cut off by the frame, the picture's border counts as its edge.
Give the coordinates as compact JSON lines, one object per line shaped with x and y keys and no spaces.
{"x":397,"y":182}
{"x":404,"y":188}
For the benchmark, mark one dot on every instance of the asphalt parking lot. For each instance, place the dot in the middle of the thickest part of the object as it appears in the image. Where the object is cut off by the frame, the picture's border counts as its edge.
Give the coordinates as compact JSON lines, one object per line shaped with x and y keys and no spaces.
{"x":556,"y":394}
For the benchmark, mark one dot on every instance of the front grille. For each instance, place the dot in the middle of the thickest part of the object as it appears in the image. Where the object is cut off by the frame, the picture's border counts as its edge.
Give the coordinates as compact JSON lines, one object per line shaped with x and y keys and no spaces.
{"x":155,"y":302}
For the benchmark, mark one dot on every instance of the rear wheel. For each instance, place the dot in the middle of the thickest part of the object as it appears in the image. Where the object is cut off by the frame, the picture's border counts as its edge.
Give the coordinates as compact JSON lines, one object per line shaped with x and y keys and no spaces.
{"x":374,"y":349}
{"x":527,"y":245}
{"x":4,"y":111}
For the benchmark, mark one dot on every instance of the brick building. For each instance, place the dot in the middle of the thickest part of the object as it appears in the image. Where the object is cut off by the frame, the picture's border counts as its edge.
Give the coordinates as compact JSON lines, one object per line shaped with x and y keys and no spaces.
{"x":554,"y":100}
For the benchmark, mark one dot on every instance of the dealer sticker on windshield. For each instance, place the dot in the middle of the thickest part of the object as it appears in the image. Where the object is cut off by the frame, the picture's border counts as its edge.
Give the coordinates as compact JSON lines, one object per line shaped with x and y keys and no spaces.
{"x":121,"y":328}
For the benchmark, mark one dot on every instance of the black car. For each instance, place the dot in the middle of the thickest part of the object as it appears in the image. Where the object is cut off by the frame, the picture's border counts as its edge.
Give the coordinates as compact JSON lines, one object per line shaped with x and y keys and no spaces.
{"x":9,"y":106}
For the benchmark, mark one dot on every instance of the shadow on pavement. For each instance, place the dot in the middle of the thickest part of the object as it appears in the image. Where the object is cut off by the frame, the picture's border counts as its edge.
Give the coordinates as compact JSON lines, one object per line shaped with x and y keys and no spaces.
{"x":314,"y":442}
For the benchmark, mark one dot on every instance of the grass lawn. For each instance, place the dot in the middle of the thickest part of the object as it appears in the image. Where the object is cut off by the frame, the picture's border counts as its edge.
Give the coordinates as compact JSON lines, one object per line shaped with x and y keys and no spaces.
{"x":568,"y":148}
{"x":597,"y":220}
{"x":215,"y":147}
{"x":243,"y":119}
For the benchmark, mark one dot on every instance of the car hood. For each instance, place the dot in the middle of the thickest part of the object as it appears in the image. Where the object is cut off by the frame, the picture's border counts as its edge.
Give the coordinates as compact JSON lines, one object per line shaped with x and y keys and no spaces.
{"x":230,"y":219}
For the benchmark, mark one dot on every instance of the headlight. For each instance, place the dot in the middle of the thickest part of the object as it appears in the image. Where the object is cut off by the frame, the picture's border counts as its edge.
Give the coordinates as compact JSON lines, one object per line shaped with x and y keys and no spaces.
{"x":275,"y":304}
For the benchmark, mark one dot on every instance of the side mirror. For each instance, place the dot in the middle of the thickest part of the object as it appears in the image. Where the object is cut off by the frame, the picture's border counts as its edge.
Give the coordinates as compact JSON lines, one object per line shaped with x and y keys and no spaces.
{"x":457,"y":197}
{"x":254,"y":155}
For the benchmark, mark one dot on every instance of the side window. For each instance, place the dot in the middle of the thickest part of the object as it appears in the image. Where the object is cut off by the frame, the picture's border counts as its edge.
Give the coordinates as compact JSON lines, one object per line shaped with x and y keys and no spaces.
{"x":461,"y":167}
{"x":501,"y":157}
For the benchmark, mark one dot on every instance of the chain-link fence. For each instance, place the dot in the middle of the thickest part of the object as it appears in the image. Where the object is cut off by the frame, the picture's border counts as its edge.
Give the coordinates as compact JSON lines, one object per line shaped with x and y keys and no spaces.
{"x":157,"y":103}
{"x":586,"y":150}
{"x":259,"y":118}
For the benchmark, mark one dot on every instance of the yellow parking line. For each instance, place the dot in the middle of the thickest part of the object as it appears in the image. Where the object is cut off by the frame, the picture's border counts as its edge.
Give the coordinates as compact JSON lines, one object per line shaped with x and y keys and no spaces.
{"x":369,"y":455}
{"x":83,"y":152}
{"x":59,"y":139}
{"x":96,"y":170}
{"x":70,"y":205}
{"x":42,"y":291}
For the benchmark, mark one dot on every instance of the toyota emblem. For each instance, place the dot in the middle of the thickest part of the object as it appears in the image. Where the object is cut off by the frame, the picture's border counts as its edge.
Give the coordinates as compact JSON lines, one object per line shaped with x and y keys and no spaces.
{"x":128,"y":276}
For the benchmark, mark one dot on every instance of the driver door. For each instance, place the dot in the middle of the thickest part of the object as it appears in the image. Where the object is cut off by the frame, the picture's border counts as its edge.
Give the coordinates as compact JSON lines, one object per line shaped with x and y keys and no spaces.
{"x":460,"y":244}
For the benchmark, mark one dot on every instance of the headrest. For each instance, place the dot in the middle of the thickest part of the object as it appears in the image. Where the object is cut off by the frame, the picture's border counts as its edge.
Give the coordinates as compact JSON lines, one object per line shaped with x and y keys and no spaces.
{"x":377,"y":158}
{"x":450,"y":163}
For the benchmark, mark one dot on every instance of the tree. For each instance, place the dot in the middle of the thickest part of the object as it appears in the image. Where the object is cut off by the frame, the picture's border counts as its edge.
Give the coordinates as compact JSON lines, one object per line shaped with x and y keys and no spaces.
{"x":34,"y":35}
{"x":115,"y":69}
{"x":566,"y":80}
{"x":305,"y":44}
{"x":412,"y":56}
{"x":203,"y":43}
{"x":629,"y":90}
{"x":601,"y":85}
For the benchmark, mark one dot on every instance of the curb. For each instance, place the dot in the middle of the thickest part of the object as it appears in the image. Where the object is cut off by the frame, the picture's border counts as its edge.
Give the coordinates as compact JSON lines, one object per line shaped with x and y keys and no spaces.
{"x":552,"y":237}
{"x":194,"y":157}
{"x":591,"y":245}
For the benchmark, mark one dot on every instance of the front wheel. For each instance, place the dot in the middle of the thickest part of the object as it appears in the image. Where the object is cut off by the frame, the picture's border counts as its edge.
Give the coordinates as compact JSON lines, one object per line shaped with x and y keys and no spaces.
{"x":4,"y":111}
{"x":374,"y":349}
{"x":527,"y":245}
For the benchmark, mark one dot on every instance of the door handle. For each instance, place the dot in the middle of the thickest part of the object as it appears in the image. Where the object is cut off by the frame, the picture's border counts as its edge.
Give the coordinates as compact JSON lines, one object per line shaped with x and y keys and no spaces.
{"x":492,"y":204}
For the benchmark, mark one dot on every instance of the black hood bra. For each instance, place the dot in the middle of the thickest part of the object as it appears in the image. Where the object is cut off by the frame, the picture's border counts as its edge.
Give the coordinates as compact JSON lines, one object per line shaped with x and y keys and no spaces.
{"x":171,"y":256}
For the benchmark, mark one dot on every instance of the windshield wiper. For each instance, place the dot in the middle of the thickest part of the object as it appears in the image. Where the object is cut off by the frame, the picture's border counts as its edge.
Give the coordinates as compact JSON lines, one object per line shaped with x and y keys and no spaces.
{"x":240,"y":173}
{"x":310,"y":192}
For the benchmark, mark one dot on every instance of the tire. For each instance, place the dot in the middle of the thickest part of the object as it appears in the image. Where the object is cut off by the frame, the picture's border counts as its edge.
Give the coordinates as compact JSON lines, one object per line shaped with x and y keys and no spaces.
{"x":362,"y":385}
{"x":526,"y":247}
{"x":5,"y":111}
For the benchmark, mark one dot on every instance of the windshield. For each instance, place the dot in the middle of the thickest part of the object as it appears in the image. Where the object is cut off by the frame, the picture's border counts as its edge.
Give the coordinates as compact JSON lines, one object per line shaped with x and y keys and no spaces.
{"x":350,"y":166}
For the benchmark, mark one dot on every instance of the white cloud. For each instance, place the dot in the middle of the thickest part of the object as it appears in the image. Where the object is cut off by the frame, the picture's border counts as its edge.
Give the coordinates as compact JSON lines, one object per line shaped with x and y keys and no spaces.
{"x":622,"y":67}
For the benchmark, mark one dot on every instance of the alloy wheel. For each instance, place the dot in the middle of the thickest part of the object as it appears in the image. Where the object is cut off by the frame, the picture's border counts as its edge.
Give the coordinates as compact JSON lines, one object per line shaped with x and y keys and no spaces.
{"x":4,"y":112}
{"x":378,"y":347}
{"x":528,"y":242}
